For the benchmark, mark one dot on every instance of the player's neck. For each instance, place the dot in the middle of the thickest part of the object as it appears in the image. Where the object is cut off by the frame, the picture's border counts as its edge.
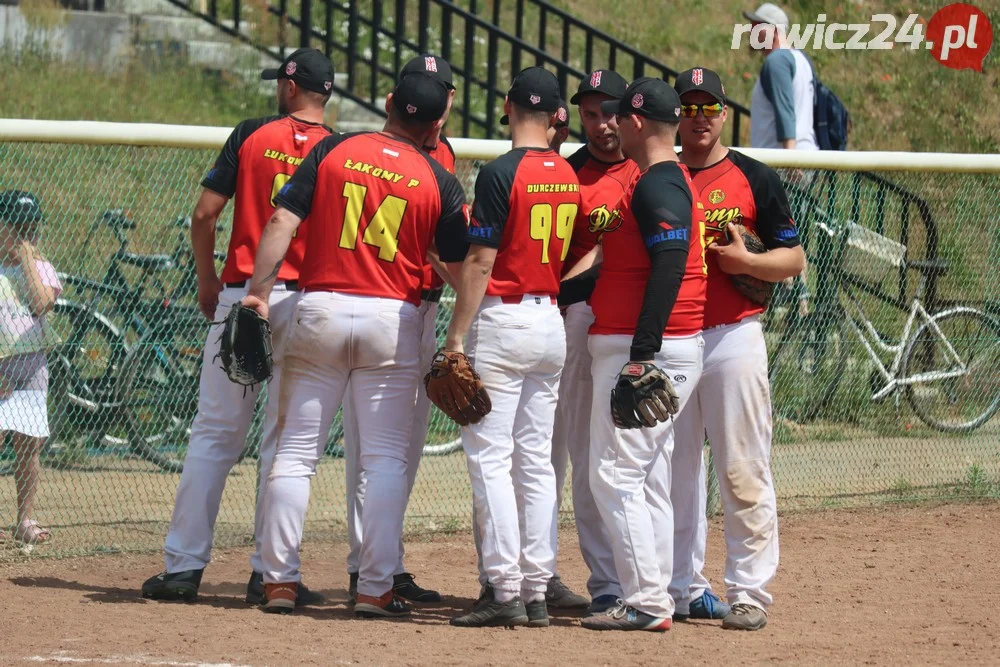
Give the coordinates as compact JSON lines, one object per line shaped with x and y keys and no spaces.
{"x":308,"y":114}
{"x":532,"y":135}
{"x":605,"y":156}
{"x":654,"y":153}
{"x":698,"y":158}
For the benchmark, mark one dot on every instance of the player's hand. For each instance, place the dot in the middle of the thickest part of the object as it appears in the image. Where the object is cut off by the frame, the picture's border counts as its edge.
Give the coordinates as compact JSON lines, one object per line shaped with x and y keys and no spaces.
{"x":208,"y":295}
{"x":733,"y":258}
{"x":258,"y":304}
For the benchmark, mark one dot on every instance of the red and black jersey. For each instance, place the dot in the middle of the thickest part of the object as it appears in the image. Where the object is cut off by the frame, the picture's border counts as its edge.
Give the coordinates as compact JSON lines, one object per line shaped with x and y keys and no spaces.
{"x":660,"y":217}
{"x":444,"y":154}
{"x":526,"y":203}
{"x":259,"y":157}
{"x":602,"y":186}
{"x":375,"y":202}
{"x":740,"y":190}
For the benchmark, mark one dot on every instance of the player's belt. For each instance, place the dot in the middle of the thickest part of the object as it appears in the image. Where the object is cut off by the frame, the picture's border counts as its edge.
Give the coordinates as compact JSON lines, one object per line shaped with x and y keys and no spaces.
{"x":431,"y":295}
{"x":520,"y":298}
{"x":290,"y":285}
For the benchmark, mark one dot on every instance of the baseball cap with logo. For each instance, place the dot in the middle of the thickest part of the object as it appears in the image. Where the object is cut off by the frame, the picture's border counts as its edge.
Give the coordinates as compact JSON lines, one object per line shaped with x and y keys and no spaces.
{"x":534,"y":88}
{"x":432,"y":65}
{"x":309,"y":68}
{"x":605,"y":81}
{"x":561,"y":117}
{"x":703,"y":79}
{"x":421,"y":97}
{"x":18,"y":207}
{"x":653,"y":98}
{"x":769,"y":13}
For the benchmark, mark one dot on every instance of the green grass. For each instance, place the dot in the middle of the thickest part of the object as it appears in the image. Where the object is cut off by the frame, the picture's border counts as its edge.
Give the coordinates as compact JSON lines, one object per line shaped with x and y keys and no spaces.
{"x":899,"y":100}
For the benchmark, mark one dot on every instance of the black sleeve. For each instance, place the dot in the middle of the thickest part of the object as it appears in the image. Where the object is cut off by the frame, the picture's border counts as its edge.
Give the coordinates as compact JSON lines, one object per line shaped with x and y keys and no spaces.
{"x":221,"y":178}
{"x":297,"y":194}
{"x":775,"y":226}
{"x":661,"y":204}
{"x":493,"y":189}
{"x":579,"y":158}
{"x":579,"y":287}
{"x":450,"y":234}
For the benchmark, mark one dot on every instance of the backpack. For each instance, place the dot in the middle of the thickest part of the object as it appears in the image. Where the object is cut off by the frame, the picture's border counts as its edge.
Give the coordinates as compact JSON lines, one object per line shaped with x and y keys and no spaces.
{"x":831,"y":121}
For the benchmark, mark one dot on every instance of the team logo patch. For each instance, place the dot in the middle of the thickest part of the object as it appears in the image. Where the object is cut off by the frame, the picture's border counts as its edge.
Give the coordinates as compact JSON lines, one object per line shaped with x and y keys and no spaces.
{"x":327,"y":85}
{"x":410,"y":109}
{"x":595,"y":79}
{"x":603,"y":220}
{"x":430,"y":63}
{"x":561,"y":115}
{"x":677,"y":111}
{"x":697,"y":76}
{"x":716,"y":196}
{"x":633,"y":369}
{"x":680,"y":378}
{"x":535,"y":99}
{"x":723,"y":88}
{"x":290,"y":68}
{"x":637,"y":101}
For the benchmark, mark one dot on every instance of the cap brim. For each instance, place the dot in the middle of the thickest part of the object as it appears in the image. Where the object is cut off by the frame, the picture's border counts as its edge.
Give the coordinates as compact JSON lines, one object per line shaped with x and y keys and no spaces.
{"x":610,"y":106}
{"x":505,"y":119}
{"x":269,"y":74}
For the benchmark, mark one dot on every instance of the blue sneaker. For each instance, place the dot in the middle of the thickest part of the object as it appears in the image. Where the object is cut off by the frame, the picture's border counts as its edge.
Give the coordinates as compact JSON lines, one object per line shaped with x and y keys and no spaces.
{"x":708,"y":606}
{"x":600,"y":605}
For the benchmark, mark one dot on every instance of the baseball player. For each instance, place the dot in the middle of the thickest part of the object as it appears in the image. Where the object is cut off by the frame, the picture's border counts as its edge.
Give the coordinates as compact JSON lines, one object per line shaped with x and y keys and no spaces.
{"x":522,"y":221}
{"x":732,"y":403}
{"x":376,"y":205}
{"x":654,"y":341}
{"x":605,"y":174}
{"x":257,"y":160}
{"x":437,"y":146}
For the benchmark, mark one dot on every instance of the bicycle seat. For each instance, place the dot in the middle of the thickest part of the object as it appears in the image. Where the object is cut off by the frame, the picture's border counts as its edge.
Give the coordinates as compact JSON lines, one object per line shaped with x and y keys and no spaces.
{"x":147,"y":262}
{"x":117,"y":218}
{"x":929,"y":266}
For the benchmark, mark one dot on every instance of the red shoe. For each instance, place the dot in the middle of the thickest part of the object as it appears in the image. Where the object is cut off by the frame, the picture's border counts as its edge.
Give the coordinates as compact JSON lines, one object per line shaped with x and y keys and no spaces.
{"x":385,"y":606}
{"x":280,"y":597}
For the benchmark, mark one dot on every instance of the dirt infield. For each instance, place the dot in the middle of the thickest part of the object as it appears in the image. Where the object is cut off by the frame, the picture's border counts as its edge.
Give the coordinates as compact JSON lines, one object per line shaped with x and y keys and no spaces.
{"x":895,"y":585}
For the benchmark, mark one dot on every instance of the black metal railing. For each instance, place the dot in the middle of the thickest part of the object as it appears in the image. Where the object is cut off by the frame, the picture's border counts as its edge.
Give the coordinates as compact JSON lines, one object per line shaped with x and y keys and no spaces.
{"x":485,"y":42}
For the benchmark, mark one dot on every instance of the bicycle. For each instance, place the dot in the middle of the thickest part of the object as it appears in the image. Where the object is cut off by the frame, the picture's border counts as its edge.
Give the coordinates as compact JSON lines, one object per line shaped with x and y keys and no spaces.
{"x":946,"y":364}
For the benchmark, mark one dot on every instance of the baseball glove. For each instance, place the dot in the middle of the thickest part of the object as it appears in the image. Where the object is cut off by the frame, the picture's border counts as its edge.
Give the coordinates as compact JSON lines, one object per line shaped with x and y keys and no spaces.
{"x":454,"y":386}
{"x":643,"y":396}
{"x":245,"y":346}
{"x":756,"y":290}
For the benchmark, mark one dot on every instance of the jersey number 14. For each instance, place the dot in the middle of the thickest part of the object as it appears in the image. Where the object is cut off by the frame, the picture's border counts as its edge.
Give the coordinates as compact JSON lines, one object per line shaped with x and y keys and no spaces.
{"x":382,"y":231}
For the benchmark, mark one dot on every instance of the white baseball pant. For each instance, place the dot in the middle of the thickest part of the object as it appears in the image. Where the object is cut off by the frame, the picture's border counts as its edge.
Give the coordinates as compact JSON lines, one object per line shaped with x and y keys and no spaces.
{"x":630,"y":471}
{"x":732,"y":405}
{"x":418,"y":437}
{"x":218,"y":436}
{"x":571,"y":441}
{"x":519,"y":350}
{"x":335,"y":339}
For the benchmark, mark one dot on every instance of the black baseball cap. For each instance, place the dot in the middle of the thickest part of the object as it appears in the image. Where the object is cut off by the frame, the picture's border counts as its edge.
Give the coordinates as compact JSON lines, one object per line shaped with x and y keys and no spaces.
{"x":432,"y":65}
{"x":605,"y":81}
{"x":703,"y":79}
{"x":561,"y":117}
{"x":18,"y":207}
{"x":309,"y":68}
{"x":534,"y":88}
{"x":421,"y":97}
{"x":653,"y":98}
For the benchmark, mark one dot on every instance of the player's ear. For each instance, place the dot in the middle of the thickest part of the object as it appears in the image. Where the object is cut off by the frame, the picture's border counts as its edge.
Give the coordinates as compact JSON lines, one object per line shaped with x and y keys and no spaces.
{"x":725,"y":113}
{"x":563,"y":133}
{"x":388,"y":102}
{"x":506,"y":105}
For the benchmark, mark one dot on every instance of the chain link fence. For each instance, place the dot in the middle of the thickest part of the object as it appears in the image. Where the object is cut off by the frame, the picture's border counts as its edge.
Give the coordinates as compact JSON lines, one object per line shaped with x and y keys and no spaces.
{"x":885,"y":353}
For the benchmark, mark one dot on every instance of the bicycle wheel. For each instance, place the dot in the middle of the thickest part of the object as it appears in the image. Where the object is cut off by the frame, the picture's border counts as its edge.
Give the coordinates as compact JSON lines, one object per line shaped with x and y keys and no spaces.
{"x":951,"y":368}
{"x":807,"y":363}
{"x":160,"y":398}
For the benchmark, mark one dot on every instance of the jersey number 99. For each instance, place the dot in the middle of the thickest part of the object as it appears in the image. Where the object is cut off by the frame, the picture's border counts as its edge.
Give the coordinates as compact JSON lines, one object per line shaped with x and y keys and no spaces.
{"x":544,"y":224}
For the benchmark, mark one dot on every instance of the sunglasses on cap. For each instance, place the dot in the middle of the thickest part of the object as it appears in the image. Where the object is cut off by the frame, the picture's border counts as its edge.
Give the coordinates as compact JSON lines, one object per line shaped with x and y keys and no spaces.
{"x":709,"y":110}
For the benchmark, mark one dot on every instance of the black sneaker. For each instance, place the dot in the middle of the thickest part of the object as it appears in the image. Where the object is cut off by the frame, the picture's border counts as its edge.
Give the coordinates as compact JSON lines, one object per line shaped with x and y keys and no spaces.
{"x":352,"y":588}
{"x":406,"y":588}
{"x":493,"y":614}
{"x":255,"y":593}
{"x":173,"y":585}
{"x":559,"y":596}
{"x":538,"y":614}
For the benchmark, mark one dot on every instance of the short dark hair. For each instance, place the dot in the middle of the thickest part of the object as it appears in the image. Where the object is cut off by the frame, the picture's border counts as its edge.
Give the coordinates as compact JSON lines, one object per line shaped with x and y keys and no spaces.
{"x":316,"y":98}
{"x":396,"y":117}
{"x":534,"y":115}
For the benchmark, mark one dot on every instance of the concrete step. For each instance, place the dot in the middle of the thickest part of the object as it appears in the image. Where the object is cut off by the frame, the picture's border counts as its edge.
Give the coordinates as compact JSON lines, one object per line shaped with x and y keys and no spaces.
{"x":146,"y":7}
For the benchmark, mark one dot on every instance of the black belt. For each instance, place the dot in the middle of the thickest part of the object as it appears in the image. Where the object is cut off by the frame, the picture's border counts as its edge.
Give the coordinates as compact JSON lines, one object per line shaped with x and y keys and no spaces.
{"x":431,"y":295}
{"x":290,"y":285}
